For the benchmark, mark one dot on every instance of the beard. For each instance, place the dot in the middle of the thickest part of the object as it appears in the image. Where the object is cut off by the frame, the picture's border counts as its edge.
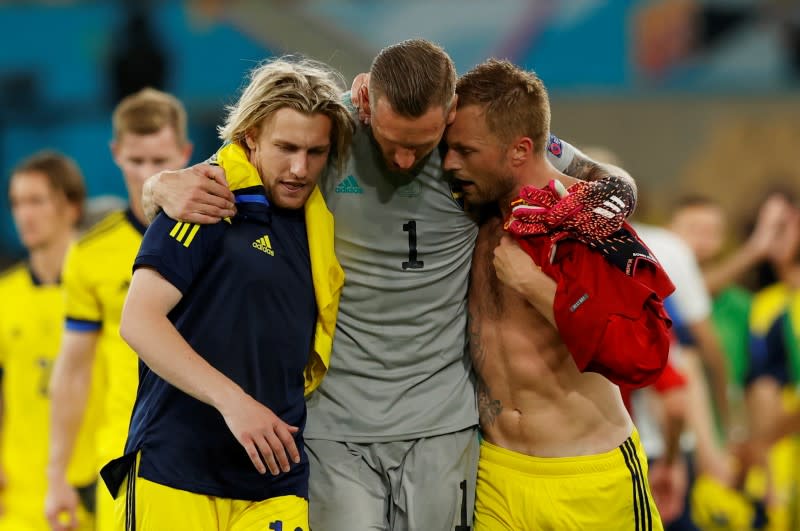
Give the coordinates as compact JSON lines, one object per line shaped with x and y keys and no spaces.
{"x":495,"y":190}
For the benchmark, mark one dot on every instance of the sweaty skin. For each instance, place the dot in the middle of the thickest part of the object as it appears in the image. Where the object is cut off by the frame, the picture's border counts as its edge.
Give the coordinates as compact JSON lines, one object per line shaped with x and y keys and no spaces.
{"x":531,"y":397}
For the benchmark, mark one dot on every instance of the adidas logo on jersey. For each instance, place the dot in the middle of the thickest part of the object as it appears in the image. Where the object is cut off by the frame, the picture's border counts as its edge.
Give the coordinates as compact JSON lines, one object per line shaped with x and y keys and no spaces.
{"x":263,"y":244}
{"x":349,"y":185}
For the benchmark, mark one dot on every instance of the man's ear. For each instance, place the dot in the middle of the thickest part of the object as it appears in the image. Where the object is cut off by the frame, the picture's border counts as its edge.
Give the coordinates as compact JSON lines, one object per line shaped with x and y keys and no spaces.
{"x":249,"y":139}
{"x":74,"y":213}
{"x":363,"y":96}
{"x":186,"y":152}
{"x":114,"y":147}
{"x":451,"y":112}
{"x":522,"y":149}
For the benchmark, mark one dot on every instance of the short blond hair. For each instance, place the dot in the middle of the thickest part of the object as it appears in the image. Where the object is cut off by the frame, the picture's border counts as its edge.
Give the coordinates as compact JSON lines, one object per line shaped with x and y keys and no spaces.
{"x":148,"y":111}
{"x":515,"y":101}
{"x":301,"y":84}
{"x":414,"y":76}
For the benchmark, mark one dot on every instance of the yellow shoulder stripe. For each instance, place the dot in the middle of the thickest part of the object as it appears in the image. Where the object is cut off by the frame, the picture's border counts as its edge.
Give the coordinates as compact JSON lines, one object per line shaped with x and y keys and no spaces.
{"x":184,"y":232}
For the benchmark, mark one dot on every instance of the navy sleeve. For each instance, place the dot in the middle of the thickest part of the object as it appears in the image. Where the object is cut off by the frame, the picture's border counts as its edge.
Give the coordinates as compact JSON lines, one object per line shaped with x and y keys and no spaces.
{"x":178,"y":250}
{"x":768,"y":355}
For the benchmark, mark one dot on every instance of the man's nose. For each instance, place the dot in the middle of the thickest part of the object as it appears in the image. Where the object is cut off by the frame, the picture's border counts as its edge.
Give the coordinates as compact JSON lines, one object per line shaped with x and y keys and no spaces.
{"x":451,"y":161}
{"x":300,"y":165}
{"x":404,"y":158}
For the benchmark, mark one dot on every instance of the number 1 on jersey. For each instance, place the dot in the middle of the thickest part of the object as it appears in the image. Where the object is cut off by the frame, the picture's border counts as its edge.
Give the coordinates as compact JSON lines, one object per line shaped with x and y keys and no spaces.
{"x":413,"y":263}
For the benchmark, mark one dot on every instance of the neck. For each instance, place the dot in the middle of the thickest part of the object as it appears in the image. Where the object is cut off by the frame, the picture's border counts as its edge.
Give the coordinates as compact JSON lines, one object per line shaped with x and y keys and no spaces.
{"x":138,"y":213}
{"x":47,"y":261}
{"x":534,"y":172}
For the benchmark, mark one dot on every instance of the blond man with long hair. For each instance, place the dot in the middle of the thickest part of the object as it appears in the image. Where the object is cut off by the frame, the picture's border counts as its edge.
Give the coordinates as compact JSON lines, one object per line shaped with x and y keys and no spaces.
{"x":234,"y":322}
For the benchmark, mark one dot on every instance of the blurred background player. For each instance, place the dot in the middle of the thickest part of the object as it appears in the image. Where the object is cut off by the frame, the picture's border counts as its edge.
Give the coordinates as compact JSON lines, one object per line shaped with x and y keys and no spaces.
{"x":773,"y":375}
{"x":703,"y":225}
{"x":708,"y":476}
{"x":149,"y":136}
{"x":46,"y":193}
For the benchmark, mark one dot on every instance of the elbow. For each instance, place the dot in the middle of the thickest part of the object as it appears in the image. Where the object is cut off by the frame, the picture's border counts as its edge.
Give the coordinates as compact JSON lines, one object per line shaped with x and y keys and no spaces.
{"x":72,"y":371}
{"x":55,"y":385}
{"x":127,"y":325}
{"x":125,"y":334}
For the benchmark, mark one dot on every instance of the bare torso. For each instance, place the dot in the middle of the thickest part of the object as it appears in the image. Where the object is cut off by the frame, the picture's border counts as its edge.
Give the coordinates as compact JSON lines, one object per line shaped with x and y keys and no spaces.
{"x":531,"y":396}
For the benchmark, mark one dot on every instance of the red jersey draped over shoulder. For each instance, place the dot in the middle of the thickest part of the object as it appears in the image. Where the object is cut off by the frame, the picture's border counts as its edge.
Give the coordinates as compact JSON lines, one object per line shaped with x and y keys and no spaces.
{"x":608,"y":304}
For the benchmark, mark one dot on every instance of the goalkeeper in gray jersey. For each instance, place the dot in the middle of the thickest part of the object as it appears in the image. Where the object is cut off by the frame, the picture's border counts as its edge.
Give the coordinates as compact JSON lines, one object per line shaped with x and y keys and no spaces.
{"x":392,"y":431}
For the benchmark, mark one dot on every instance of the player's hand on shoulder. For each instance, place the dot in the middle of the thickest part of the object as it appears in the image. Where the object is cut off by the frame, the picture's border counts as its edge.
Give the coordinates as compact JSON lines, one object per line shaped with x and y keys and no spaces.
{"x":268,"y":440}
{"x":198,"y":194}
{"x":61,"y":505}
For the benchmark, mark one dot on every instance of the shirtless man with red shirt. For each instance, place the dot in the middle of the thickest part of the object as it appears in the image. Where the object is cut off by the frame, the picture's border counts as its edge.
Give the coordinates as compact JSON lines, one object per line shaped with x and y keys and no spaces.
{"x":558,"y":316}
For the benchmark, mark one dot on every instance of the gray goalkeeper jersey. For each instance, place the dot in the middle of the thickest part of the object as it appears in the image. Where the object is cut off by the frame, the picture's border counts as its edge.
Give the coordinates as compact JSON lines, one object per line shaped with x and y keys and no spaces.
{"x":399,"y":369}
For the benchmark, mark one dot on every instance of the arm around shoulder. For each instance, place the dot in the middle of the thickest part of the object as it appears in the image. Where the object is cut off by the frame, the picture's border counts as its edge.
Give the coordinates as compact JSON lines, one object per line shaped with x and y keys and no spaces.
{"x":198,"y":194}
{"x":573,"y":162}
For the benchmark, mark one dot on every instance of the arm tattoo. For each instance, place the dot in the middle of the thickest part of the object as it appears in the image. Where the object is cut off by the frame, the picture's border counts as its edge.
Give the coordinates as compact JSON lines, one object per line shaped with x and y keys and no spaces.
{"x":488,"y":407}
{"x":584,"y":168}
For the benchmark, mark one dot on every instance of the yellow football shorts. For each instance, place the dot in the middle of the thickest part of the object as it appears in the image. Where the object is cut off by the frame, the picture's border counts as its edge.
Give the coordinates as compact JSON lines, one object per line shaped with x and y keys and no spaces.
{"x":608,"y":491}
{"x":143,"y":505}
